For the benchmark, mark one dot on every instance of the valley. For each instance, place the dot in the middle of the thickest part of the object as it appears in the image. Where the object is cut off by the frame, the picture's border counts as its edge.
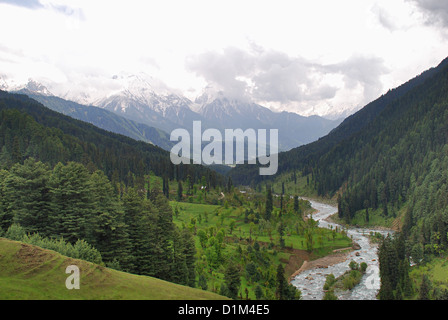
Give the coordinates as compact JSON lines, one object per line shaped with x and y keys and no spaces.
{"x":360,"y":211}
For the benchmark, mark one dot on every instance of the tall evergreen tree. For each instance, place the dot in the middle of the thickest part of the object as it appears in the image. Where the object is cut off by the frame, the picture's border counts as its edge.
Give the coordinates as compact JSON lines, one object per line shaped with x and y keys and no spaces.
{"x":232,"y":280}
{"x":163,"y":237}
{"x":282,"y":284}
{"x":269,"y":204}
{"x":27,"y":195}
{"x":190,"y":256}
{"x":179,"y":190}
{"x":71,"y":200}
{"x":296,"y":204}
{"x":107,"y":230}
{"x":140,"y":218}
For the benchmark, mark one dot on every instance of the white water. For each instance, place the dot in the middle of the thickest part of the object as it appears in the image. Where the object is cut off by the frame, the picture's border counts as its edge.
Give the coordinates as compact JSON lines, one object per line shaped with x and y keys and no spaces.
{"x":311,"y":282}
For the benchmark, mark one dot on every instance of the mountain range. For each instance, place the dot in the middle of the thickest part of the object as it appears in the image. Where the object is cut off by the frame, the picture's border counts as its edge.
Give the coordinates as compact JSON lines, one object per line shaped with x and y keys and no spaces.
{"x":305,"y":158}
{"x":153,"y":111}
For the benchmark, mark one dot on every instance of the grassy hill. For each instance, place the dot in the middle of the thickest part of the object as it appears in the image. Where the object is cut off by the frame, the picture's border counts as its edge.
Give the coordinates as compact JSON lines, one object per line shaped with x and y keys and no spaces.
{"x":32,"y":273}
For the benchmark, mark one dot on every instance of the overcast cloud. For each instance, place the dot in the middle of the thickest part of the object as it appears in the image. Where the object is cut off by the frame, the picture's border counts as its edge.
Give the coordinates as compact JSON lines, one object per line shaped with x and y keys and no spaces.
{"x":436,"y":11}
{"x":36,"y":4}
{"x":272,"y":76}
{"x":30,"y":4}
{"x":320,"y":57}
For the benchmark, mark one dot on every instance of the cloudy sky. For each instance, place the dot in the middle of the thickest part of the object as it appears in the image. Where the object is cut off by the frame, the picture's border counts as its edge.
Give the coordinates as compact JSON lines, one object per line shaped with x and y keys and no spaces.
{"x":312,"y":57}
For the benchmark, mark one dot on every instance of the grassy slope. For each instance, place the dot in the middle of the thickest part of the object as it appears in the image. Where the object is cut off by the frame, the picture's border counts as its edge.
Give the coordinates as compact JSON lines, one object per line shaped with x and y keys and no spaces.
{"x":30,"y":272}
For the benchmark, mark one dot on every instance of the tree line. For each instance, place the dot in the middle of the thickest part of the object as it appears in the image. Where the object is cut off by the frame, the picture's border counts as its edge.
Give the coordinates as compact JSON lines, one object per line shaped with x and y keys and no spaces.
{"x":134,"y":231}
{"x":28,"y":129}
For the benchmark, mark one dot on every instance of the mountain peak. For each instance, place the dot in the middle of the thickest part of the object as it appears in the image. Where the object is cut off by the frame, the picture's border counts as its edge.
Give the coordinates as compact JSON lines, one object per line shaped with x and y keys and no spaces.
{"x":37,"y":87}
{"x":32,"y":86}
{"x":140,"y":84}
{"x":3,"y":84}
{"x":209,"y":95}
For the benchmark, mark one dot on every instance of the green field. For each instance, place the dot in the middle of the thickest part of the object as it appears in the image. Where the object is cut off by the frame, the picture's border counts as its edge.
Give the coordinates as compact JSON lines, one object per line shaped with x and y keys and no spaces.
{"x":247,"y":240}
{"x":437,"y":272}
{"x":31,"y":273}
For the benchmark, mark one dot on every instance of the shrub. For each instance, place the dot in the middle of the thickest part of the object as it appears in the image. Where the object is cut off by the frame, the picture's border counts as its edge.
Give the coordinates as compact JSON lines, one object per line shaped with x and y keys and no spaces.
{"x":363,"y":267}
{"x":80,"y":250}
{"x":353,"y":265}
{"x":330,"y":280}
{"x":15,"y":232}
{"x":329,"y":295}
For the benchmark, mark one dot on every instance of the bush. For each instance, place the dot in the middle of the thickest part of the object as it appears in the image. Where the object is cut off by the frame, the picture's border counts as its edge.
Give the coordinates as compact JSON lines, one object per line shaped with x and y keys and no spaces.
{"x":353,"y":265}
{"x":15,"y":232}
{"x":329,"y":295}
{"x":329,"y":282}
{"x":363,"y":267}
{"x":348,"y":283}
{"x":81,"y":250}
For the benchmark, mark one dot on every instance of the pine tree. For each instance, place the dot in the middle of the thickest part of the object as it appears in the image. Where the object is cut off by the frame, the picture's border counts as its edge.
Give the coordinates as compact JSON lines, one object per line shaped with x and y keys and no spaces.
{"x":296,"y":204}
{"x":269,"y":204}
{"x":282,"y":284}
{"x":140,"y":219}
{"x":27,"y":195}
{"x":163,"y":237}
{"x":71,"y":200}
{"x":190,"y":256}
{"x":179,"y":190}
{"x":107,"y":231}
{"x":232,"y":280}
{"x":179,"y":271}
{"x":425,"y":288}
{"x":6,"y":216}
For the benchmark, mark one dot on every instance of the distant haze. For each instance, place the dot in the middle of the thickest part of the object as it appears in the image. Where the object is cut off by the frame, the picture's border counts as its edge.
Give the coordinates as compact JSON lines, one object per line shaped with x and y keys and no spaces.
{"x":320,"y":57}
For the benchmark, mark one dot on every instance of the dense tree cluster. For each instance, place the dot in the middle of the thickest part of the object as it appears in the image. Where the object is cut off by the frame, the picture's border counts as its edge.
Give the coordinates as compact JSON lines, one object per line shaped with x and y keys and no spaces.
{"x":388,"y":159}
{"x":394,"y":271}
{"x":28,"y":129}
{"x":132,"y":232}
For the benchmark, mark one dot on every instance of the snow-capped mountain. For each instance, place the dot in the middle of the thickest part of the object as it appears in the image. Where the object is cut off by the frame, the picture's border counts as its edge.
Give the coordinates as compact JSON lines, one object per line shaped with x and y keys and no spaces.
{"x":35,"y":87}
{"x":144,"y":99}
{"x":3,"y":84}
{"x":221,"y":112}
{"x":32,"y":86}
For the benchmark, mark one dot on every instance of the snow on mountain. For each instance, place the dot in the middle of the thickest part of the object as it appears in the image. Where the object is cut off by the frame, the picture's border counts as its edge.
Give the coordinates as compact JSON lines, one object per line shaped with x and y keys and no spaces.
{"x":32,"y":86}
{"x":3,"y":84}
{"x":143,"y":98}
{"x":222,"y":112}
{"x":143,"y":90}
{"x":37,"y":88}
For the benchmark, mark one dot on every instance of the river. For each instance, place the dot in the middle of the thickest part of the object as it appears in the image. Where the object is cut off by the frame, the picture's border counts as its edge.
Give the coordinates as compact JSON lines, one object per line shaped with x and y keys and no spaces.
{"x":311,"y":282}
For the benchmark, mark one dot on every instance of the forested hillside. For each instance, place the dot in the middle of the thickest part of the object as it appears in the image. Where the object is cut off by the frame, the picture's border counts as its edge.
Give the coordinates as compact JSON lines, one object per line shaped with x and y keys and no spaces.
{"x":61,"y":178}
{"x":305,"y":158}
{"x":28,"y":129}
{"x":104,"y":119}
{"x":390,"y":161}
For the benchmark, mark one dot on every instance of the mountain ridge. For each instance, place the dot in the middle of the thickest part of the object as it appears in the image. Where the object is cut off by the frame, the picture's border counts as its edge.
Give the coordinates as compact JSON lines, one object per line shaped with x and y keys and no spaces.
{"x":136,"y":98}
{"x":304,"y":158}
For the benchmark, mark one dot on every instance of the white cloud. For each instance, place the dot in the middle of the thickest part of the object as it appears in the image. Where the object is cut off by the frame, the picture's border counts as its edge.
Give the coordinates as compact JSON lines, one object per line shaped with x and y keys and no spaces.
{"x":296,"y":55}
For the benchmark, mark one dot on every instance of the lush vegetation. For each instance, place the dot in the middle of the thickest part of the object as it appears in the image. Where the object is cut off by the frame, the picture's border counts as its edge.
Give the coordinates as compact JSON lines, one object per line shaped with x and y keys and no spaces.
{"x":133,"y":231}
{"x":346,"y":281}
{"x":245,"y":233}
{"x":105,"y":119}
{"x":90,"y":194}
{"x":386,"y":165}
{"x":238,"y":247}
{"x":28,"y":129}
{"x":28,"y":272}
